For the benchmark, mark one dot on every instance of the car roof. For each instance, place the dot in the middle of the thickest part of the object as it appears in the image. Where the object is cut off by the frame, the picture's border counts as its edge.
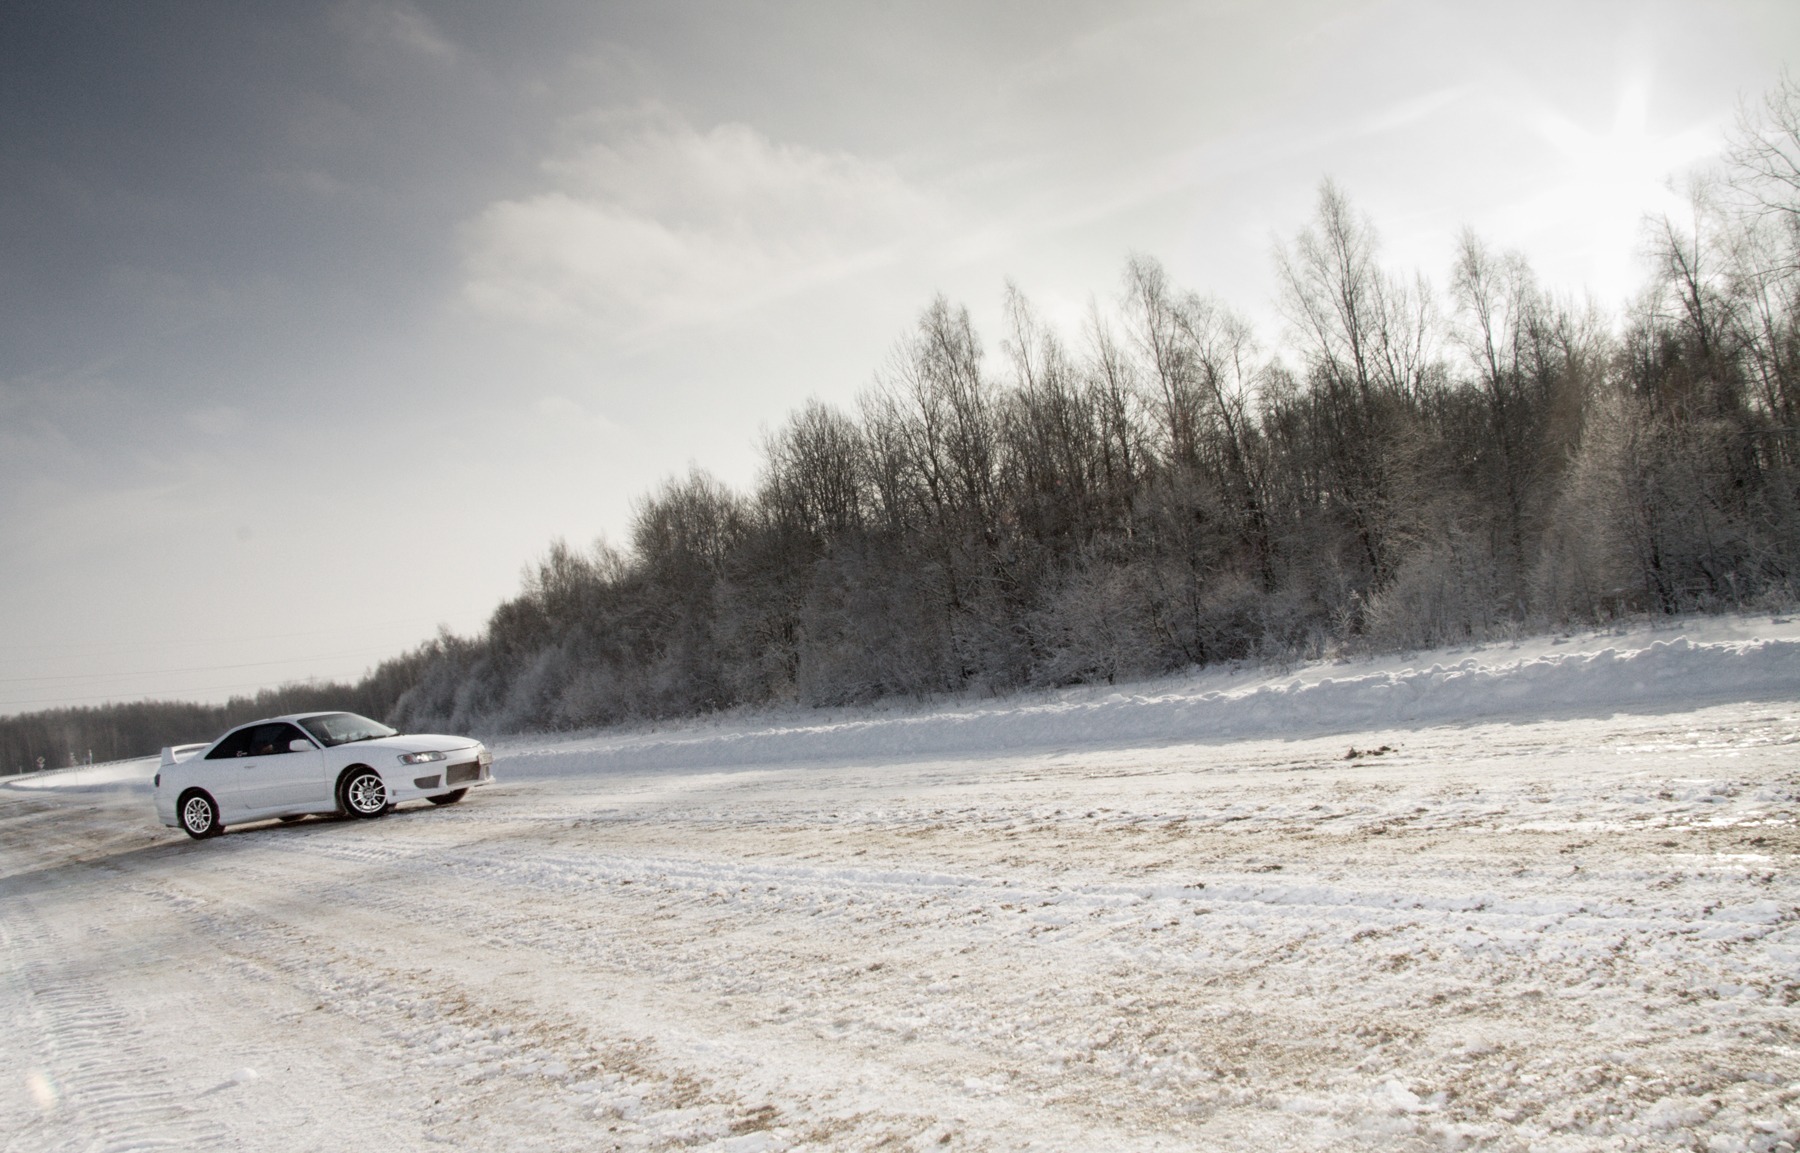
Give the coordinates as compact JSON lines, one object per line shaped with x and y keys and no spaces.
{"x":289,"y":717}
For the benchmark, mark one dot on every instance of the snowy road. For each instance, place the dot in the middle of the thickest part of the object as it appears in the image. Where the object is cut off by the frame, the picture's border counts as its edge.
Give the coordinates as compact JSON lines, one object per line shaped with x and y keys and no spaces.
{"x":1575,"y":933}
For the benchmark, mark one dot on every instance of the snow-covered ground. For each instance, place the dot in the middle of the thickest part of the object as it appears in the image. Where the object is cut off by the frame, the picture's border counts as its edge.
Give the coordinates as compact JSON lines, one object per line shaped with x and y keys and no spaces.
{"x":1535,"y":896}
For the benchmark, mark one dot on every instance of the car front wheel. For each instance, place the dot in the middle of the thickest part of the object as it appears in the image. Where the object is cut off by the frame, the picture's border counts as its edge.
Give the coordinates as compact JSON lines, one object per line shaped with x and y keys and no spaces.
{"x":199,"y":815}
{"x":449,"y":798}
{"x":364,"y":795}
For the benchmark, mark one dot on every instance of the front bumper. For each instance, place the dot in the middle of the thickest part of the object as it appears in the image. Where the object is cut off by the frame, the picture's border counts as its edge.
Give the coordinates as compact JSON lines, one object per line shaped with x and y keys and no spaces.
{"x":460,"y":771}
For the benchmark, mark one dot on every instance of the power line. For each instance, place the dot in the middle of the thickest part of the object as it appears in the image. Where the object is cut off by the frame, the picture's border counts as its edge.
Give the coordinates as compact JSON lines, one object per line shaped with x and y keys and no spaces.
{"x":195,"y":669}
{"x":189,"y":641}
{"x":139,"y":698}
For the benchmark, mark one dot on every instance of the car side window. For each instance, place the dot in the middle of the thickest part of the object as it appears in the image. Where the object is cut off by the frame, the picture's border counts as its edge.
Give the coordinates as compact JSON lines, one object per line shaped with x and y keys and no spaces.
{"x":289,"y":734}
{"x":265,"y":740}
{"x":235,"y":745}
{"x":272,"y":739}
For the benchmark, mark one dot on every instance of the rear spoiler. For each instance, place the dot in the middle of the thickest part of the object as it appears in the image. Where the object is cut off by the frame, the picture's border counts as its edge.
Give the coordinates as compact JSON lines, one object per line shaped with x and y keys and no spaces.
{"x":175,"y":754}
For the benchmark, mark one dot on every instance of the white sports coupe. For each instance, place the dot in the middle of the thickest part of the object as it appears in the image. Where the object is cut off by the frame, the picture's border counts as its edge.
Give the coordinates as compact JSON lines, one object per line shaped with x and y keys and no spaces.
{"x":288,"y":767}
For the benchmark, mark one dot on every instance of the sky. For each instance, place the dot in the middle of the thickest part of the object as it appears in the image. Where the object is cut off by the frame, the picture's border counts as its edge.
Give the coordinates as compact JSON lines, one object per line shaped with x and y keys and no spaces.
{"x":320,"y":321}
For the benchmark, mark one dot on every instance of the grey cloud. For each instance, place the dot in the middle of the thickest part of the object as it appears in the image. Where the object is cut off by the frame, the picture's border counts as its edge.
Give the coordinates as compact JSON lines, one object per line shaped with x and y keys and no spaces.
{"x":657,"y":224}
{"x":391,"y":24}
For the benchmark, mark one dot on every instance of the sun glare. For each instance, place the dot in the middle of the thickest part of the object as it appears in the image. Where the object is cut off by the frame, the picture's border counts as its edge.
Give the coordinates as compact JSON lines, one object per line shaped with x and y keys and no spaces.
{"x":1585,"y":227}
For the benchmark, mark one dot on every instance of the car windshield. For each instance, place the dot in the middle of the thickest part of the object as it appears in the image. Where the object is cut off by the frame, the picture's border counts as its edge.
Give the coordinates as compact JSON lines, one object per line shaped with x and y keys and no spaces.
{"x":342,"y":728}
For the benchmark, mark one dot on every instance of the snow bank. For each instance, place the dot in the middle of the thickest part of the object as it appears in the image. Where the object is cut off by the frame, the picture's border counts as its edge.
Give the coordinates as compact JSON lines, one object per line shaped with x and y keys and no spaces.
{"x":1651,"y":669}
{"x":108,"y":777}
{"x":1596,"y":674}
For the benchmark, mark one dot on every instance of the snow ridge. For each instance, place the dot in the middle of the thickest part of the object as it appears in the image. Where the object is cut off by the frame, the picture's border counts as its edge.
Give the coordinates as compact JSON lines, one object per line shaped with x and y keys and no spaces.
{"x":1709,"y":661}
{"x":1616,"y":678}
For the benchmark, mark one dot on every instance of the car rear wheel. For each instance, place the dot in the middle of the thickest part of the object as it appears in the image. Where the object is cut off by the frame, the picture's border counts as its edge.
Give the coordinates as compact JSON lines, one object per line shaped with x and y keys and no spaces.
{"x":364,"y":795}
{"x":199,"y":815}
{"x":449,"y":798}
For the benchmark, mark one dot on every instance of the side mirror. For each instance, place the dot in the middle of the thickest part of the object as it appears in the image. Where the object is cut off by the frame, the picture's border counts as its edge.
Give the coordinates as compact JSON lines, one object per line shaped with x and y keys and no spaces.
{"x":300,"y":746}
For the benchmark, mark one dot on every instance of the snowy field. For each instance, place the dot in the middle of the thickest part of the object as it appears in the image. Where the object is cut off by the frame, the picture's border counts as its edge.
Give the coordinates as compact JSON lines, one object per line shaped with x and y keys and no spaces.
{"x":1539,"y":896}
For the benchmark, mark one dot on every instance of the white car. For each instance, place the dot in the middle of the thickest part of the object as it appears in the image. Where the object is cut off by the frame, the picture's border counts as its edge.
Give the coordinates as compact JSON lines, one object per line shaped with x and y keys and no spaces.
{"x":288,"y":767}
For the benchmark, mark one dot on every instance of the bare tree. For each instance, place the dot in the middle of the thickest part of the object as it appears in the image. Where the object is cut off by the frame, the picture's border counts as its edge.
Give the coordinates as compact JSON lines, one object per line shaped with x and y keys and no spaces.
{"x":1365,"y":338}
{"x":1500,"y":309}
{"x":814,"y":473}
{"x":1764,"y":158}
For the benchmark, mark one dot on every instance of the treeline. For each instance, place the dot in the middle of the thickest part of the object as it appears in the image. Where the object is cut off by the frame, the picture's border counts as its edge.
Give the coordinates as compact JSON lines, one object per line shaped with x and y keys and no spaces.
{"x":1160,"y":488}
{"x":64,"y":737}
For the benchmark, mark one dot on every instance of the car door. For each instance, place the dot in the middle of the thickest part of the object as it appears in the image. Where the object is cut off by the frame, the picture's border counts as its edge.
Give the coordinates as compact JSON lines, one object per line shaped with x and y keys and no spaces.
{"x":272,"y":776}
{"x":298,"y":775}
{"x":221,"y":772}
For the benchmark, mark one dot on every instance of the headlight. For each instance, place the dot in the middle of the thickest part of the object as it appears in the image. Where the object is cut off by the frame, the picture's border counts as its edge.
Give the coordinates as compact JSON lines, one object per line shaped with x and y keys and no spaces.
{"x":419,"y":758}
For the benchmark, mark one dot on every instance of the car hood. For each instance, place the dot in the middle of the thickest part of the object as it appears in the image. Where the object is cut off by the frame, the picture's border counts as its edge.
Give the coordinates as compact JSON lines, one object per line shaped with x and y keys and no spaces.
{"x":417,"y":743}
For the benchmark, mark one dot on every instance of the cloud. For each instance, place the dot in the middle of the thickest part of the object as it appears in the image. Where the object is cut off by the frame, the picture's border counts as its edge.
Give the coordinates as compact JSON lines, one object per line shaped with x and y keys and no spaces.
{"x":396,"y":24}
{"x":561,"y":412}
{"x":653,"y":224}
{"x":1413,"y":111}
{"x":220,"y":420}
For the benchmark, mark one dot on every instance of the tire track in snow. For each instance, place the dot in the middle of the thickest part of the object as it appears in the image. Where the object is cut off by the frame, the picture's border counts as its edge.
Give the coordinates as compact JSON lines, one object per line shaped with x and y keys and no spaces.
{"x":764,"y":886}
{"x":1308,"y":1006}
{"x":1176,"y":1037}
{"x":972,"y":1079}
{"x":97,"y":1086}
{"x":489,"y":1066}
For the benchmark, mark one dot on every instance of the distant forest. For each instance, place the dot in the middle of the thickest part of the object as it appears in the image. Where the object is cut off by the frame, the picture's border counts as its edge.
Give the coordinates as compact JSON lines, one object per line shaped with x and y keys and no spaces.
{"x":113,"y":732}
{"x":1409,"y":466}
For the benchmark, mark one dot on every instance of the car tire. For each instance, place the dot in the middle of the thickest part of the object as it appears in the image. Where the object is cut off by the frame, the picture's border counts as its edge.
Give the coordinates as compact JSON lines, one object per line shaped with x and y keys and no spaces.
{"x":291,"y":818}
{"x":364,"y":794}
{"x":449,"y":798}
{"x":199,"y":814}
